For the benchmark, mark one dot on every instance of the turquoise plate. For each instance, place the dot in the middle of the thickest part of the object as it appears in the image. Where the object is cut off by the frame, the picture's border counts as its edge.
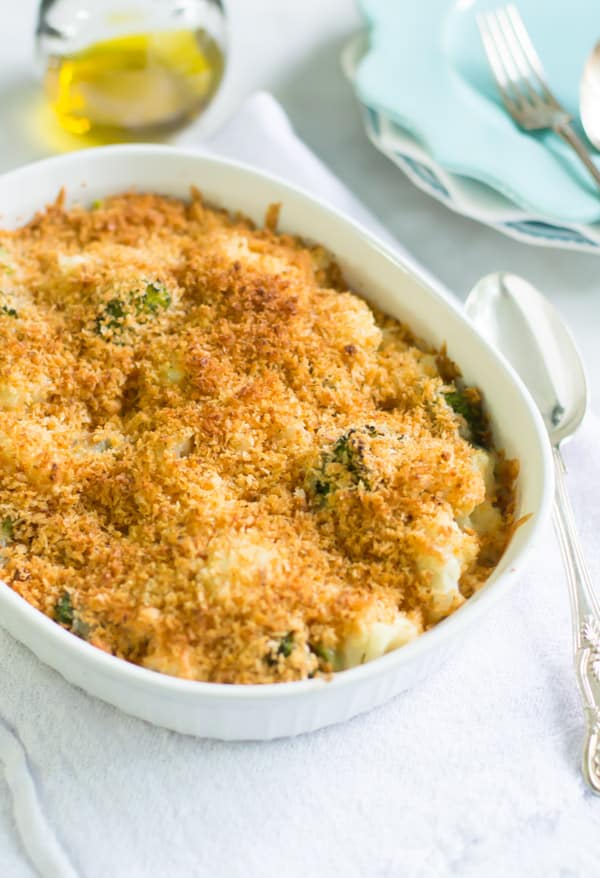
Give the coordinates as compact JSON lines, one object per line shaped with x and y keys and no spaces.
{"x":426,"y":71}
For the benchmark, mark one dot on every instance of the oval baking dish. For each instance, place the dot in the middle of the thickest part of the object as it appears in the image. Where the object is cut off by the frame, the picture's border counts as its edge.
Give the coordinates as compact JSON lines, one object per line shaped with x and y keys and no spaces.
{"x":396,"y":286}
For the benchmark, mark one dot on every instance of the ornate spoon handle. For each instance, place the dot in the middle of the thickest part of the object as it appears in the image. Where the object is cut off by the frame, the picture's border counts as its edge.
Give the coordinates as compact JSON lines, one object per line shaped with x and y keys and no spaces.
{"x":586,"y":624}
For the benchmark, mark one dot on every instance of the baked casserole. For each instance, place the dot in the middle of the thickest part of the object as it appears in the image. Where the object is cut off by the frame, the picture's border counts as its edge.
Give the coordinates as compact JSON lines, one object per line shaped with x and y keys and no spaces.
{"x":216,"y":461}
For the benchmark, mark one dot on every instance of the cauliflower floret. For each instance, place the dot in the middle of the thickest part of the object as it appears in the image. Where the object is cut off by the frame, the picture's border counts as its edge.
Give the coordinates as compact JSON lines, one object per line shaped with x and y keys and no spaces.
{"x":371,"y":639}
{"x":21,"y":391}
{"x":486,"y":518}
{"x":442,"y":557}
{"x":242,"y":563}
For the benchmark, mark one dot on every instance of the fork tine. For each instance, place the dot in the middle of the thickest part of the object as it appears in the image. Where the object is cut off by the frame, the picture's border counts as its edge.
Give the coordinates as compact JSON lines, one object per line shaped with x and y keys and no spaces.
{"x":527,"y":77}
{"x":519,"y":77}
{"x":496,"y":63}
{"x":513,"y":78}
{"x":527,"y":48}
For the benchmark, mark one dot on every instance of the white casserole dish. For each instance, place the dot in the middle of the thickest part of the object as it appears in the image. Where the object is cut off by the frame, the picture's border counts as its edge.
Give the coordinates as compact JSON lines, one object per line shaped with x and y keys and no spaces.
{"x":401,"y":289}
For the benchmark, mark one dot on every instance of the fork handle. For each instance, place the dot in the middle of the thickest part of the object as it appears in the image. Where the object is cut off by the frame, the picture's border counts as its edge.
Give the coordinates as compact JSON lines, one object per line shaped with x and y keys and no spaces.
{"x":586,"y":624}
{"x":565,"y":130}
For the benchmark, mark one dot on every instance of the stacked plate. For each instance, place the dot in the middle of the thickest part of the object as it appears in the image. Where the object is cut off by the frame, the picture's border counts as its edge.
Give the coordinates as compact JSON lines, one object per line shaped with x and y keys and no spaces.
{"x":430,"y":104}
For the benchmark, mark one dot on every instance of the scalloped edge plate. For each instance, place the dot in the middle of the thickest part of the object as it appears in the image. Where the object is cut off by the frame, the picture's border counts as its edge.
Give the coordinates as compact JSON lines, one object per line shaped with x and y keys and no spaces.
{"x":461,"y":194}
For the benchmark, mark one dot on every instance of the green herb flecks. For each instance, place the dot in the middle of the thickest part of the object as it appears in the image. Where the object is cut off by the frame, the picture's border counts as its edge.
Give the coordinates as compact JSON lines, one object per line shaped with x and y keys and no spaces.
{"x":63,"y":610}
{"x":132,"y":308}
{"x":349,"y":451}
{"x":286,"y":645}
{"x":10,"y":312}
{"x":321,"y":488}
{"x":282,"y":647}
{"x":343,"y":466}
{"x":111,"y":320}
{"x":325,"y":653}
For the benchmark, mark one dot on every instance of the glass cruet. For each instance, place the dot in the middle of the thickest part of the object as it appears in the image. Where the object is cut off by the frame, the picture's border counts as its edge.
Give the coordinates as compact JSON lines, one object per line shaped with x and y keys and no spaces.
{"x":130,"y":68}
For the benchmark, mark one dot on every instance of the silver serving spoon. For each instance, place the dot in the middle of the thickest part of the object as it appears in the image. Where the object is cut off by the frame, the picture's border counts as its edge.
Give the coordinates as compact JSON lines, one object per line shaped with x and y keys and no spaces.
{"x":589,"y":97}
{"x":518,"y":320}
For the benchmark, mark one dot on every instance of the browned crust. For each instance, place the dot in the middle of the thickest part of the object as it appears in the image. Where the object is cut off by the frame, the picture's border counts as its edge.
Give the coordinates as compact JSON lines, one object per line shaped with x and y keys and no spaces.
{"x":163,"y":471}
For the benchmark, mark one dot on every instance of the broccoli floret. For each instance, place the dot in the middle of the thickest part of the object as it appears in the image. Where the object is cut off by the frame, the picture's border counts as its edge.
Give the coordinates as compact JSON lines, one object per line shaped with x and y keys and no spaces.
{"x":7,"y":531}
{"x":467,"y":403}
{"x":112,"y":319}
{"x":321,"y":488}
{"x":343,"y":452}
{"x":283,"y":647}
{"x":325,"y":653}
{"x":63,"y":611}
{"x":286,"y":645}
{"x":65,"y":614}
{"x":347,"y":452}
{"x":135,"y":306}
{"x":154,"y":298}
{"x":5,"y":267}
{"x":6,"y":309}
{"x":457,"y":401}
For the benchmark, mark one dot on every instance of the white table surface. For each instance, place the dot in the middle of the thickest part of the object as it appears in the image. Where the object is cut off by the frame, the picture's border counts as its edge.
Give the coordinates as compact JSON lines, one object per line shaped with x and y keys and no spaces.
{"x":292,"y":49}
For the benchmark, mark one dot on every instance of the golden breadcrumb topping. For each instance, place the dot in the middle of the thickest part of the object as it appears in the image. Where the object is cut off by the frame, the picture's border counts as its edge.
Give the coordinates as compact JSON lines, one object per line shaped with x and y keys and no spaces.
{"x":219,"y":463}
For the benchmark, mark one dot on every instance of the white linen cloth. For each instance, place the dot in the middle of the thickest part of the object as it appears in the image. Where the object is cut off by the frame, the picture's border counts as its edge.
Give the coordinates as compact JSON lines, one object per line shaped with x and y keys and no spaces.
{"x":474,"y":773}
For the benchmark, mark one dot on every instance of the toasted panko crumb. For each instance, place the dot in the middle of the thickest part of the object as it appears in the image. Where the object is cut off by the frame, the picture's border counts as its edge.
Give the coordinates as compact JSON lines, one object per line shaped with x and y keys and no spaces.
{"x":218,"y":462}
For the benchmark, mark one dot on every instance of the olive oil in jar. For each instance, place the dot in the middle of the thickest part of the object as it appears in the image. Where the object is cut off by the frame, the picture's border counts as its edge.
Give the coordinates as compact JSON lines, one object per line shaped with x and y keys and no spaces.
{"x":142,"y":84}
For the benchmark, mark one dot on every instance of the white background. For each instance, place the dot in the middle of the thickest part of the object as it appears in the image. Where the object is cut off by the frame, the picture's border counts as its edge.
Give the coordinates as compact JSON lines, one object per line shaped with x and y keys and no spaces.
{"x":292,"y":47}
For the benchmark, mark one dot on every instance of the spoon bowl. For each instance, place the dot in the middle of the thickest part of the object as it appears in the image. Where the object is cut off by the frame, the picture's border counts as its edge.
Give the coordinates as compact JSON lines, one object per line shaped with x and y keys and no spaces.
{"x":525,"y":327}
{"x":589,"y":97}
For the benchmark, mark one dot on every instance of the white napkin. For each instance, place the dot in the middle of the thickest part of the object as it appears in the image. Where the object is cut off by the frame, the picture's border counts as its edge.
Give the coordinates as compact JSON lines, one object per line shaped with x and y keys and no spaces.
{"x":475,"y":772}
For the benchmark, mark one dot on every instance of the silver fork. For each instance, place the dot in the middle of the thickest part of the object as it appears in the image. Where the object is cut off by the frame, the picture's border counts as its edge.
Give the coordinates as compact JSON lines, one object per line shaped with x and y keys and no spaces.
{"x":520,"y":78}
